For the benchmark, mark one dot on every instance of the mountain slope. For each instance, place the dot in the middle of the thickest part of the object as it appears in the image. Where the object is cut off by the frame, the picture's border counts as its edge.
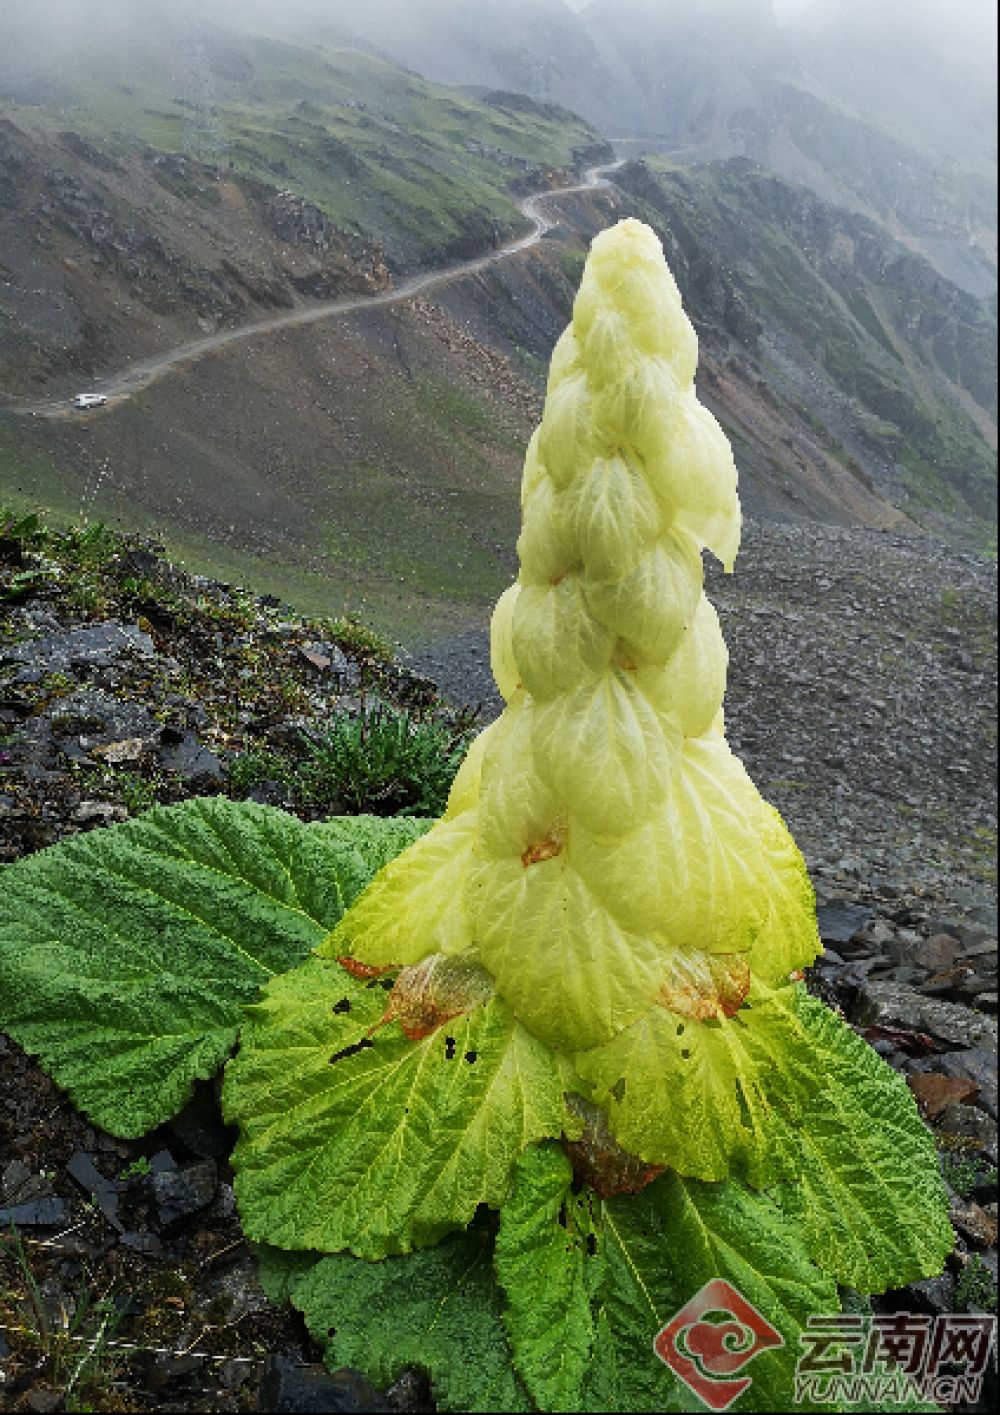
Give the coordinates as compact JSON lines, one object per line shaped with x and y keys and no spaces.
{"x":371,"y":461}
{"x":891,"y":365}
{"x":171,"y":178}
{"x":887,"y":110}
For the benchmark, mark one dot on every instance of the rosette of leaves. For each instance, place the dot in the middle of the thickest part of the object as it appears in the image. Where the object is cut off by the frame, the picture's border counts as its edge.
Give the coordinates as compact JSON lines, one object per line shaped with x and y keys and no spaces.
{"x":517,"y":1084}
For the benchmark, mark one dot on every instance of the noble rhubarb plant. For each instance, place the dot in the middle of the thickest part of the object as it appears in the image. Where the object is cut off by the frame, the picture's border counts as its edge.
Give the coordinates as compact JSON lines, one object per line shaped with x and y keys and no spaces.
{"x":511,"y":1089}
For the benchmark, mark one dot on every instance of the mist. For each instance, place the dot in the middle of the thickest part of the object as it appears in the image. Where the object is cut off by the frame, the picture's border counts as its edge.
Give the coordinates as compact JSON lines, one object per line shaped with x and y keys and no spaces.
{"x":707,"y":78}
{"x":961,"y":27}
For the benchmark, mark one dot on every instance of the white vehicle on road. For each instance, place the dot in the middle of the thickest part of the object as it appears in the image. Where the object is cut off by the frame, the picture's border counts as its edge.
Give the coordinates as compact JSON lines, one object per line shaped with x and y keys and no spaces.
{"x":89,"y":400}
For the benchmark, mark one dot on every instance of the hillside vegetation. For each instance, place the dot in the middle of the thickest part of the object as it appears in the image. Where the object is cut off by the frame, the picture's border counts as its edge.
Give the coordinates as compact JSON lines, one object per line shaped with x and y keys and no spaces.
{"x":891,"y":367}
{"x":169,"y":179}
{"x":168,"y":182}
{"x":887,"y":109}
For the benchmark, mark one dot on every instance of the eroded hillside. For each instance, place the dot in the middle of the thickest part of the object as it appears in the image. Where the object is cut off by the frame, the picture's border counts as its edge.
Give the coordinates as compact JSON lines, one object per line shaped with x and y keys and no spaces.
{"x":185,"y":180}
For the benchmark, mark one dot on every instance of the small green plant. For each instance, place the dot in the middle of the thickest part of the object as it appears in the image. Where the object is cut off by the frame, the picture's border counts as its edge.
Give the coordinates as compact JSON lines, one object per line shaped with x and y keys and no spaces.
{"x":360,"y":638}
{"x":515,"y":1085}
{"x":138,"y":1169}
{"x":383,"y":760}
{"x":965,"y":1173}
{"x":22,"y":584}
{"x":136,"y":792}
{"x":23,"y":528}
{"x":260,"y":765}
{"x":976,"y":1287}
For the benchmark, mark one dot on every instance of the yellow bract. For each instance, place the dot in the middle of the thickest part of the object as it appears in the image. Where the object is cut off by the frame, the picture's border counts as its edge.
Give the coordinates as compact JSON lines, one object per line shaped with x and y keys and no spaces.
{"x":604,"y":856}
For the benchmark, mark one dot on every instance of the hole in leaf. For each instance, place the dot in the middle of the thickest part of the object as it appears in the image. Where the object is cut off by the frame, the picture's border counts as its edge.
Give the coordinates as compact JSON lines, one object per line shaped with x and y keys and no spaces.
{"x":686,"y":1053}
{"x":592,"y":1244}
{"x":449,"y":1048}
{"x":470,"y":1056}
{"x":618,"y":1090}
{"x":343,"y":1006}
{"x":680,"y":1029}
{"x":349,"y":1051}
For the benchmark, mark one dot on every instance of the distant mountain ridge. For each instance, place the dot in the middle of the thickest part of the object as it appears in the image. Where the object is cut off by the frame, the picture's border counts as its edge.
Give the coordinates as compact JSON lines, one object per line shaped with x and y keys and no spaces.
{"x":856,"y":100}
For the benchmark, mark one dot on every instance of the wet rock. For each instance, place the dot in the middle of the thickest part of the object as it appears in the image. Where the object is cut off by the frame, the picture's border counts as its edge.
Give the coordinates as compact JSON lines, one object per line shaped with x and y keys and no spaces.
{"x":89,"y":811}
{"x":18,"y":1184}
{"x":973,"y":1221}
{"x":224,"y":1206}
{"x":977,"y":1064}
{"x":935,"y":1091}
{"x":90,"y":646}
{"x":103,"y":1191}
{"x":937,"y":953}
{"x":38,"y":1213}
{"x":91,"y":718}
{"x":980,"y":948}
{"x":966,"y":1123}
{"x":288,"y":1386}
{"x":162,"y":1162}
{"x":840,"y":920}
{"x":890,"y":1004}
{"x":180,"y":1194}
{"x":146,"y":1243}
{"x":933,"y":1295}
{"x":907,"y":975}
{"x":184,"y":753}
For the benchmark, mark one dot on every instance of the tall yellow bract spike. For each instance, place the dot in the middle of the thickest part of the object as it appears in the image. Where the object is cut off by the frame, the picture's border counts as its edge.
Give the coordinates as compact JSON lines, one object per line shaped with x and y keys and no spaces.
{"x":604,"y":856}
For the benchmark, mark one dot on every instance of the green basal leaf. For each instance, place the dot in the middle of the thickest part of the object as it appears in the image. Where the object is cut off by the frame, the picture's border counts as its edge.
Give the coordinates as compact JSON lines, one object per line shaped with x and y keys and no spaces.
{"x":438,"y":1310}
{"x":356,"y":1137}
{"x":278,"y":1270}
{"x":376,"y":839}
{"x":659,"y":1248}
{"x":541,"y":1263}
{"x":126,"y":955}
{"x":598,"y":1278}
{"x":867,"y":1195}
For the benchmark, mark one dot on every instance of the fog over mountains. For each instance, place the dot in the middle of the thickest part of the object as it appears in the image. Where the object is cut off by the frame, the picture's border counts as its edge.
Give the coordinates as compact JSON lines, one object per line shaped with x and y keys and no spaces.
{"x":882,"y":106}
{"x":888,"y":108}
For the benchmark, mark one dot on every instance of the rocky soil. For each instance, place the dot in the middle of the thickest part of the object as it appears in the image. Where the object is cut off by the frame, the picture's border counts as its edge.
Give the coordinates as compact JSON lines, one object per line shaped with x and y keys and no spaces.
{"x":862,"y":684}
{"x":125,"y":682}
{"x":861,"y":695}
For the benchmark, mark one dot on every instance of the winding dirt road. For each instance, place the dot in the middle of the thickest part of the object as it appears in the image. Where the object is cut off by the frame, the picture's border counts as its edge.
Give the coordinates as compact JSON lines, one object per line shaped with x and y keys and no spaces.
{"x":121,"y":385}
